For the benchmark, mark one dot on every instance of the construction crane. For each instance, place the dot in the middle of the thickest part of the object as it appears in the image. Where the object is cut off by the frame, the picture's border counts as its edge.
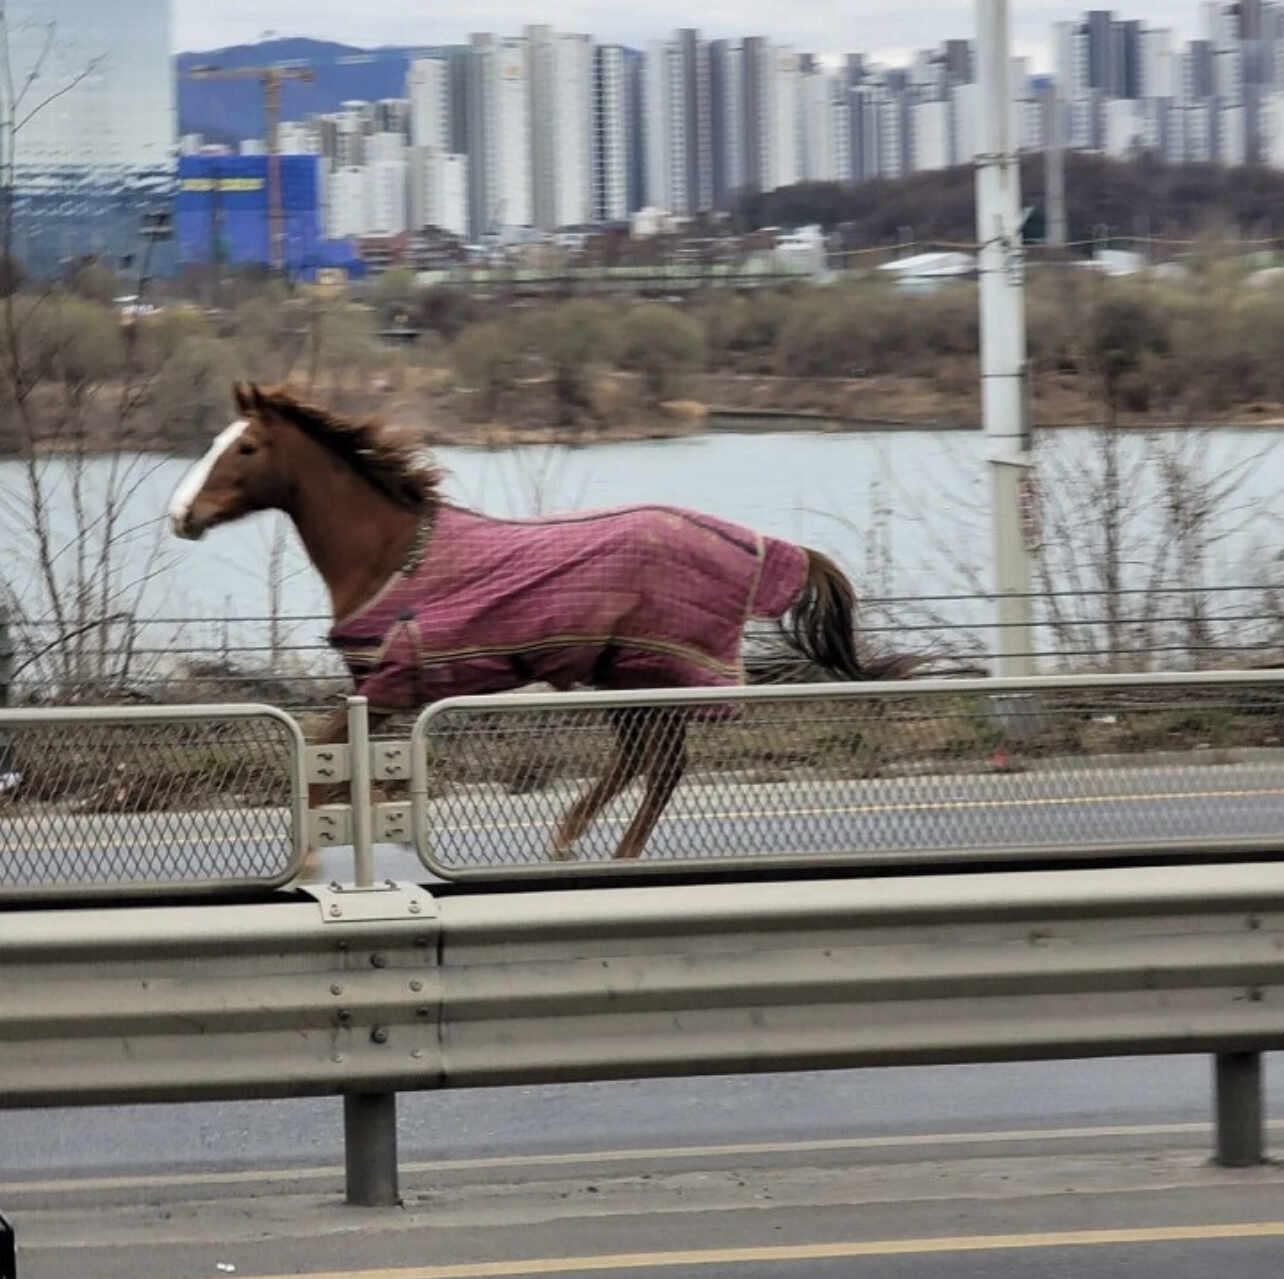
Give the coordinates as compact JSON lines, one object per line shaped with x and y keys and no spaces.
{"x":271,"y":78}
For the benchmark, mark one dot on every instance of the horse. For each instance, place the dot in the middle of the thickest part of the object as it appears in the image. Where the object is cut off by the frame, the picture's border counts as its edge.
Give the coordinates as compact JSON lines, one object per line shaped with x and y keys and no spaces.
{"x":430,"y":599}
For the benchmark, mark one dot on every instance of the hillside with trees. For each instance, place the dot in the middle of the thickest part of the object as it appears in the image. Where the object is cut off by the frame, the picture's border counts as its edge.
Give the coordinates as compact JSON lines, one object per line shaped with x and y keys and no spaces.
{"x":1142,"y":197}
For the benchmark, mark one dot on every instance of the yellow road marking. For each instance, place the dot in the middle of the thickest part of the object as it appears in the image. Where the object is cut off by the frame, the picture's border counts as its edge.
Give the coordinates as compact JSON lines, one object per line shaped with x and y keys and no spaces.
{"x":908,"y":806}
{"x":642,"y":1154}
{"x":815,"y":1252}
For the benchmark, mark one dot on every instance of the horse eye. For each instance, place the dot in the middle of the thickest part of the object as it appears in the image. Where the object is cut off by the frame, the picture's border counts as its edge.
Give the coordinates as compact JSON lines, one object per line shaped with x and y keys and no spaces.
{"x":247,"y":448}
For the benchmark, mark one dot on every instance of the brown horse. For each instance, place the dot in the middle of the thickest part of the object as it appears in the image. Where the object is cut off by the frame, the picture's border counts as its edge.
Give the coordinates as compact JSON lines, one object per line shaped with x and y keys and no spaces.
{"x":430,"y":600}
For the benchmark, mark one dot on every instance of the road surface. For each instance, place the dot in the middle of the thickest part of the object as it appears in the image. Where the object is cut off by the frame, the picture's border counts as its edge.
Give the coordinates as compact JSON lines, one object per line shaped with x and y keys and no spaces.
{"x":1048,"y":1169}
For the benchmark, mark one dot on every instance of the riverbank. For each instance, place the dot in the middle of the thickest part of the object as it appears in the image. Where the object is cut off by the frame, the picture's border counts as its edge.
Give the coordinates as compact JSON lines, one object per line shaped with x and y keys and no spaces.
{"x":617,"y":412}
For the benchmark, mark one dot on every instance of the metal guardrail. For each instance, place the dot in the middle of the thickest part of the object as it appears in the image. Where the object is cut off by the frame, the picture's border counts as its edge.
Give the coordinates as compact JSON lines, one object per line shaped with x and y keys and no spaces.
{"x":129,"y":801}
{"x":367,"y":992}
{"x":926,"y":771}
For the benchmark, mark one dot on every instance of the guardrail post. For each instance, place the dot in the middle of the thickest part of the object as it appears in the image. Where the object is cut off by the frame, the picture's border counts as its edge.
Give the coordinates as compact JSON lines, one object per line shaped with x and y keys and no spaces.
{"x":369,"y":1119}
{"x":8,"y":1252}
{"x":370,"y":1149}
{"x":1239,"y":1109}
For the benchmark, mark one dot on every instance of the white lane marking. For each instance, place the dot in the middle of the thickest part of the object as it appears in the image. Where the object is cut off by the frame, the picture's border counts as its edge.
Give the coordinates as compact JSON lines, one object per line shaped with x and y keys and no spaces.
{"x":193,"y":482}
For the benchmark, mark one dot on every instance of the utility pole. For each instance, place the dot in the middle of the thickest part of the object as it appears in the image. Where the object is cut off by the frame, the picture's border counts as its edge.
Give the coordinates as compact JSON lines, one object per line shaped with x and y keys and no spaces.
{"x":271,"y":79}
{"x":1004,"y":373}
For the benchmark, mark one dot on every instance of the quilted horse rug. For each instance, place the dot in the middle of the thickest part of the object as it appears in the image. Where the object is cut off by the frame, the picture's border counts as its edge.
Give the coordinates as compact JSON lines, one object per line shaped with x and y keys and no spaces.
{"x":637,"y":597}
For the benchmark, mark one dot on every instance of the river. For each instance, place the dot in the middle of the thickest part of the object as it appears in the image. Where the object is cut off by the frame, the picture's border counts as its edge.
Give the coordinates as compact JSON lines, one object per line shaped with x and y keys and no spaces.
{"x":905,"y":511}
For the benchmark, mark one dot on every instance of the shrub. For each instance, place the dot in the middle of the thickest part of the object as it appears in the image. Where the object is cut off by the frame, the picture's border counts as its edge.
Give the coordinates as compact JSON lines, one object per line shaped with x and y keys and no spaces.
{"x":662,"y":344}
{"x":487,"y":358}
{"x":574,"y":341}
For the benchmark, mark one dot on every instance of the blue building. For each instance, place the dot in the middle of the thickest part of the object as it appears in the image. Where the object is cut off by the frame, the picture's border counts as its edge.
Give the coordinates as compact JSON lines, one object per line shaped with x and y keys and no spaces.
{"x":222,"y":214}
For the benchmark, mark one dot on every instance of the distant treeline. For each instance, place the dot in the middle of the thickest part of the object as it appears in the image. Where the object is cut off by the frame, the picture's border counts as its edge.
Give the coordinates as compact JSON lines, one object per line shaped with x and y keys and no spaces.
{"x":1115,"y":198}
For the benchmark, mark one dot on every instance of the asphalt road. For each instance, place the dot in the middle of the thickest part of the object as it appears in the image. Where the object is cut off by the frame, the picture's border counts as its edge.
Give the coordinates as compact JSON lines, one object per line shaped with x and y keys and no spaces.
{"x":1086,"y":807}
{"x":1055,"y":1169}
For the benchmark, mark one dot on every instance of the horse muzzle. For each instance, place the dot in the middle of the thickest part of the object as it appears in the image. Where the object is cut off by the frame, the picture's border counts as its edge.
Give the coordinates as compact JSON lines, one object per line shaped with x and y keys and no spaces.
{"x":188,"y":527}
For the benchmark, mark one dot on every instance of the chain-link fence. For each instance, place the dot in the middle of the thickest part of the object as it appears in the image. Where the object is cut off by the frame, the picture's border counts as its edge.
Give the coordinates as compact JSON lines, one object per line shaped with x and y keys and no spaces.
{"x":866,"y":774}
{"x":133,"y":799}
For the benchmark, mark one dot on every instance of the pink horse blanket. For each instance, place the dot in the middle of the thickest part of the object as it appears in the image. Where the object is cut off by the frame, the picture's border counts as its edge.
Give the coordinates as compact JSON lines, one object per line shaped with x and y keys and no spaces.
{"x":638,"y":597}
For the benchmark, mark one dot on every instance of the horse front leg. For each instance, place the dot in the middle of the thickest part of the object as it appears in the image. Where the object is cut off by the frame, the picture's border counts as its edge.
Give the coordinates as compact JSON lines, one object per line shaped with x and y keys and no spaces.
{"x":665,"y":753}
{"x":627,"y":760}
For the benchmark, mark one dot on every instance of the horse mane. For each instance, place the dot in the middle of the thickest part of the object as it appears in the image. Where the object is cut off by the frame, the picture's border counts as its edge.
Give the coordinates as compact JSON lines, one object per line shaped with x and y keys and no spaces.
{"x":388,"y":458}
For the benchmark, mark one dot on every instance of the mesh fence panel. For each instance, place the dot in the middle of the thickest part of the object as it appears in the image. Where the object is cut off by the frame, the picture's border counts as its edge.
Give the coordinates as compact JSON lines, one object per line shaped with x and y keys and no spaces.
{"x":102,"y":800}
{"x":873,"y":775}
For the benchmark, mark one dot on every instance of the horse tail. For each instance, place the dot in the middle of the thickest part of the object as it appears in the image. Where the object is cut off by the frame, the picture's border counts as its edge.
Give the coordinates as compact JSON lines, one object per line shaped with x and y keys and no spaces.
{"x":819,"y":631}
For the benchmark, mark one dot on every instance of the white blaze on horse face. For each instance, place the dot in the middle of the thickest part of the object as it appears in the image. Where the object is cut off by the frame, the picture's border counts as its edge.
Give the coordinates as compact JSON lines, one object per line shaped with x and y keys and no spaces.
{"x":185,"y":495}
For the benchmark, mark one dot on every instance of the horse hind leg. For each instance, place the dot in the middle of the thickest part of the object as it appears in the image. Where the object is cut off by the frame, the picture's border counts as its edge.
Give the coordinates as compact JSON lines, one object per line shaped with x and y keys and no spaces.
{"x":628,"y":759}
{"x":666,"y":761}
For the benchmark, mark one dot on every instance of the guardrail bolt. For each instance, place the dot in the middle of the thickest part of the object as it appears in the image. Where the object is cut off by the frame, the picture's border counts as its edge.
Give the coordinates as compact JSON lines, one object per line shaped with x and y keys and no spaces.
{"x":336,"y":911}
{"x":379,"y":1035}
{"x":415,"y":908}
{"x":378,"y":961}
{"x":336,"y":989}
{"x":344,"y":1016}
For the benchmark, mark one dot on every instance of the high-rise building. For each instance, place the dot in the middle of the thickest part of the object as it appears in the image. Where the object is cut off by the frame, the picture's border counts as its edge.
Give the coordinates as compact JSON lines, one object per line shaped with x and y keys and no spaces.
{"x":428,"y":84}
{"x":826,"y":124}
{"x":392,"y":115}
{"x":678,"y":126}
{"x":772,"y":119}
{"x":438,"y":190}
{"x":90,"y":163}
{"x":561,"y":126}
{"x":388,"y":194}
{"x":727,"y":119}
{"x":348,"y":204}
{"x":499,"y":126}
{"x":612,"y":134}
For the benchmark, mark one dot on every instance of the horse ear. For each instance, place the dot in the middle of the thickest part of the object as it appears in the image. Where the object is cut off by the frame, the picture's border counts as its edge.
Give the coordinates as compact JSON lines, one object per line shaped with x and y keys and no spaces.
{"x":243,"y":393}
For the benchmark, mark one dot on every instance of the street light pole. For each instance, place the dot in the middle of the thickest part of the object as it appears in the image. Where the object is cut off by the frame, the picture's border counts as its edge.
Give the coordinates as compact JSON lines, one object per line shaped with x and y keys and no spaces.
{"x":1004,"y":390}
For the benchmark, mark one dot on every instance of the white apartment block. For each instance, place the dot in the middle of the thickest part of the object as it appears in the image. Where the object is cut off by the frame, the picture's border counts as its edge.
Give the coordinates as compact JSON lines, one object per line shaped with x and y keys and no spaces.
{"x":386,"y":148}
{"x":438,"y":190}
{"x":611,"y":135}
{"x":1158,"y":63}
{"x":930,"y":140}
{"x":387,"y":196}
{"x":1123,"y":128}
{"x":666,"y":129}
{"x":1273,"y":130}
{"x":298,"y":138}
{"x":561,"y":116}
{"x":781,"y":101}
{"x":499,"y":157}
{"x":825,"y":128}
{"x":349,"y":213}
{"x":428,"y":87}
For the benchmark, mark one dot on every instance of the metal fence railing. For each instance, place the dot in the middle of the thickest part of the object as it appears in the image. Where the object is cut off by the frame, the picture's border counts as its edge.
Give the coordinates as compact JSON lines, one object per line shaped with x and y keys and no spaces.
{"x":918,"y":772}
{"x":164,"y":800}
{"x":129,"y":800}
{"x":285,"y":660}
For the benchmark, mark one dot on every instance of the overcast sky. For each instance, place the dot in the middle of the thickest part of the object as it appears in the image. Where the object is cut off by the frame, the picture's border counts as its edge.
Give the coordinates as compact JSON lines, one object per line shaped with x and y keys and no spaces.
{"x":886,"y":27}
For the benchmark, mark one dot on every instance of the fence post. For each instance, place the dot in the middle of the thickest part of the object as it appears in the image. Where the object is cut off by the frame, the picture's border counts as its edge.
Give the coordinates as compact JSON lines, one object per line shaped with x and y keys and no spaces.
{"x":369,"y":1119}
{"x":6,"y":680}
{"x":1238,"y":1088}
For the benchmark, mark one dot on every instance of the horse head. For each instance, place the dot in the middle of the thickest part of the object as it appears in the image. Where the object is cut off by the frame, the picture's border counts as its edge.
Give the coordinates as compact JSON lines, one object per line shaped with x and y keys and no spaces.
{"x":241,"y":473}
